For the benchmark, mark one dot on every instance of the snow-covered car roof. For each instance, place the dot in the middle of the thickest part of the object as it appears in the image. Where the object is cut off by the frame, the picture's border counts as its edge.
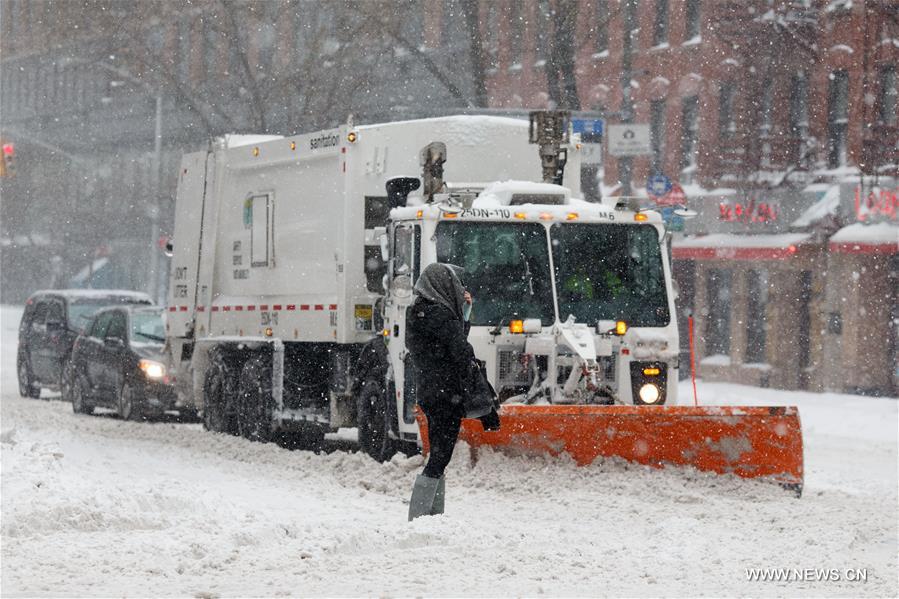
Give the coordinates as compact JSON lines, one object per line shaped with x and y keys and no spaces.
{"x":136,"y":297}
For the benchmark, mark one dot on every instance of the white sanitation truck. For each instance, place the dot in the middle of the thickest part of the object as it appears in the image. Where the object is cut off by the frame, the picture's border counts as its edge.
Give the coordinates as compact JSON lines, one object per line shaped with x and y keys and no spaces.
{"x":295,"y":259}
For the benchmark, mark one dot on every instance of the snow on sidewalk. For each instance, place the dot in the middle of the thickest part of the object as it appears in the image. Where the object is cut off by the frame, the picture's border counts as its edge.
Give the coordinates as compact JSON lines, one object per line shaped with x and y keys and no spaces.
{"x":92,"y":506}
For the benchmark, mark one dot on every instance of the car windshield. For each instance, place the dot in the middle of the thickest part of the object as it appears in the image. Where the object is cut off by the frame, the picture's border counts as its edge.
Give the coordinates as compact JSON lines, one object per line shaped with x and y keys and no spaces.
{"x":506,"y":269}
{"x":147,"y":327}
{"x":609,"y":272}
{"x":81,"y":311}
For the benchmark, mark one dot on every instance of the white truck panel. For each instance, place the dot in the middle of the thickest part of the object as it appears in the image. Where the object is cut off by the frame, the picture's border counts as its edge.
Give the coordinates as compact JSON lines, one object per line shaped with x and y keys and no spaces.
{"x":188,"y":222}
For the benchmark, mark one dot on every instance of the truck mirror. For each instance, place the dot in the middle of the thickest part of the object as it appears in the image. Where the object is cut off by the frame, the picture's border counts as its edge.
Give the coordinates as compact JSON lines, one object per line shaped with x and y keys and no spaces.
{"x":398,"y":189}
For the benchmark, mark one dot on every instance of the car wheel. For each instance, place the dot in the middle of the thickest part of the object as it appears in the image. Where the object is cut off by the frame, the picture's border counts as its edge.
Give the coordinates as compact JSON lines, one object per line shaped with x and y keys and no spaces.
{"x":80,"y":402}
{"x":373,"y":421}
{"x":255,"y":401}
{"x":130,"y":403}
{"x":27,"y":387}
{"x":219,"y":396}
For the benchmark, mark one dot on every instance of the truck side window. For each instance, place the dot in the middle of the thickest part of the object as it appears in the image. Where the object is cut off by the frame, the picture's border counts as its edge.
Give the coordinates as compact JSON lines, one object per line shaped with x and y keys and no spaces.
{"x":258,"y":210}
{"x":403,"y":250}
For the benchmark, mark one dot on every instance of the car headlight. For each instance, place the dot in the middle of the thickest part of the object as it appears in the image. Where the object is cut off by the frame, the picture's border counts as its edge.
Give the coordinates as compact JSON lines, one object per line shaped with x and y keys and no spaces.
{"x":649,"y":393}
{"x":153,"y":370}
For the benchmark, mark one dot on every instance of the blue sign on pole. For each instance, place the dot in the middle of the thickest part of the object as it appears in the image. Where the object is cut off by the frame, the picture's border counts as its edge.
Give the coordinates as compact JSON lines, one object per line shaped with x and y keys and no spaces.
{"x":591,"y":130}
{"x":671,"y":220}
{"x":658,"y":185}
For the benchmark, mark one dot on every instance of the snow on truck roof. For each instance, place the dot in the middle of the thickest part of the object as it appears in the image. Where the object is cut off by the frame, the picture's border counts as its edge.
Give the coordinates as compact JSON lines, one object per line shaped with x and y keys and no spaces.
{"x":84,"y":294}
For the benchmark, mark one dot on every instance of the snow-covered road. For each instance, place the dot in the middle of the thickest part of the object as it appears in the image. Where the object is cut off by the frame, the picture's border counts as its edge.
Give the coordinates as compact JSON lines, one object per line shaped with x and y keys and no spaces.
{"x":92,"y":506}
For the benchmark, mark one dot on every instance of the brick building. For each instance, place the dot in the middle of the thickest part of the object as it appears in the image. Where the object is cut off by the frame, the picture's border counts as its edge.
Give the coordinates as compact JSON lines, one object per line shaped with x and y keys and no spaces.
{"x":774,"y":116}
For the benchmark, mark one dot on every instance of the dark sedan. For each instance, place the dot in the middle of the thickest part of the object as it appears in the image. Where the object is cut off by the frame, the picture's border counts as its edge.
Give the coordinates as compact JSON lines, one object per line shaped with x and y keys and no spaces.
{"x":118,"y":363}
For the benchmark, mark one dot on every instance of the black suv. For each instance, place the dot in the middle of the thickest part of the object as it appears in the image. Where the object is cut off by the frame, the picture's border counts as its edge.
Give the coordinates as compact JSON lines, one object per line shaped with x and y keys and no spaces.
{"x":118,"y":363}
{"x":50,"y":324}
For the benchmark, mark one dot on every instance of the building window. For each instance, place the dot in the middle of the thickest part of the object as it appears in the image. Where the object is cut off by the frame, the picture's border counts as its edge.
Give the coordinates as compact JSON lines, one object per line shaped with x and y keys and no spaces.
{"x":450,"y":16}
{"x":727,"y":125}
{"x":657,"y":130}
{"x":516,"y":25}
{"x":541,"y":43}
{"x":888,"y":94}
{"x":631,"y":25}
{"x":210,"y":48}
{"x":492,"y":46}
{"x":184,"y":49}
{"x":717,"y":338}
{"x":660,"y":27}
{"x":691,"y":20}
{"x":689,"y":134}
{"x":601,"y":40}
{"x":756,"y":323}
{"x":837,"y":119}
{"x":766,"y":120}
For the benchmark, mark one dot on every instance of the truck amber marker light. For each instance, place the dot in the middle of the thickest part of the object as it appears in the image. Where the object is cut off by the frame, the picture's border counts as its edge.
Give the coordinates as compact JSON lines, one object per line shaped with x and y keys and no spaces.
{"x":516,"y":326}
{"x":640,"y":217}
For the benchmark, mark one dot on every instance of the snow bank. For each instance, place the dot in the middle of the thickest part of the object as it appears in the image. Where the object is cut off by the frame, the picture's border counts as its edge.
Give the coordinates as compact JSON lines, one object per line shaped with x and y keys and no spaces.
{"x":862,"y":233}
{"x":93,"y":506}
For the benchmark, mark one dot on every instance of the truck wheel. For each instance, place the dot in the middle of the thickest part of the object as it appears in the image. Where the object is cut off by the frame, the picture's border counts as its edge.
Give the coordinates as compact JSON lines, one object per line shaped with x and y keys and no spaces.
{"x":255,"y":402}
{"x":27,"y":387}
{"x":219,"y":397}
{"x":373,"y":420}
{"x":80,"y":403}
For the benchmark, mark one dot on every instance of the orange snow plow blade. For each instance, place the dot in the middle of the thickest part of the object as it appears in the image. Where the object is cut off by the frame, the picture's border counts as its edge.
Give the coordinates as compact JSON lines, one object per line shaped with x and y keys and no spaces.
{"x":751,"y":442}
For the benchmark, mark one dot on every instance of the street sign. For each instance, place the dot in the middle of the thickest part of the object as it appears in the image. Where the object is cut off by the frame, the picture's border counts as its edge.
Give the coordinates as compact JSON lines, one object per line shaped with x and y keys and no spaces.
{"x":629,"y":140}
{"x":591,"y":130}
{"x":658,"y":185}
{"x":674,"y":197}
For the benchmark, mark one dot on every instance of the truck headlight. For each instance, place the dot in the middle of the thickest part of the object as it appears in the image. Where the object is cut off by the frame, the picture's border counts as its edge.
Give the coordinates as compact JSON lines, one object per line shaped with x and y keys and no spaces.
{"x":153,"y":370}
{"x":649,"y":393}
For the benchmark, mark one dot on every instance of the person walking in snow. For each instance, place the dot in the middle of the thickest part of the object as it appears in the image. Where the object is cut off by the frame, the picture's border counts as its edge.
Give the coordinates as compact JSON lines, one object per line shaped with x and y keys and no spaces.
{"x":437,"y":339}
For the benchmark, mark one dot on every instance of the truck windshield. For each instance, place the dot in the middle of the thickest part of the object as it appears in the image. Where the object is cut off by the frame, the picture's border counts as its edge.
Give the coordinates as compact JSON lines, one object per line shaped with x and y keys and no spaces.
{"x":610,"y":272}
{"x":506,"y":269}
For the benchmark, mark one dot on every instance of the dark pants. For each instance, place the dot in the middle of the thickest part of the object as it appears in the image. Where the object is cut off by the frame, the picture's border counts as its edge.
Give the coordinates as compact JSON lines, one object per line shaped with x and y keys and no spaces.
{"x":444,"y":422}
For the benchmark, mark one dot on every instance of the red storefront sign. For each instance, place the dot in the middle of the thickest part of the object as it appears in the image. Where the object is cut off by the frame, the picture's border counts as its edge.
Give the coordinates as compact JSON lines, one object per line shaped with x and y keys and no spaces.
{"x":748,"y":212}
{"x":878,"y":202}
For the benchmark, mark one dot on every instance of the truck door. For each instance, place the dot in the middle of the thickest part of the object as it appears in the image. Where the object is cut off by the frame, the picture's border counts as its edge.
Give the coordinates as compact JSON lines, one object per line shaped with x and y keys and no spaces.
{"x":405,"y":267}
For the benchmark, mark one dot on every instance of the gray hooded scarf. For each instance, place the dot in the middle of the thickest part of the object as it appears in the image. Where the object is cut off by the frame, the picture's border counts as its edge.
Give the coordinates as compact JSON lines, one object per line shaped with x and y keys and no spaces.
{"x":441,"y":284}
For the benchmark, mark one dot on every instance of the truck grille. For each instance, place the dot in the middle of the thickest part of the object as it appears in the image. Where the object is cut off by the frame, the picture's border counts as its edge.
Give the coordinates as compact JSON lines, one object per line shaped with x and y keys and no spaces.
{"x":512,"y":369}
{"x":607,"y":367}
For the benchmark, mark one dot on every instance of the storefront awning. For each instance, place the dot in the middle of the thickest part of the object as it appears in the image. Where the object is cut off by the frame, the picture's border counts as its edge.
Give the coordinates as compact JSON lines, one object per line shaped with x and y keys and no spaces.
{"x":726,"y":246}
{"x":882,"y":238}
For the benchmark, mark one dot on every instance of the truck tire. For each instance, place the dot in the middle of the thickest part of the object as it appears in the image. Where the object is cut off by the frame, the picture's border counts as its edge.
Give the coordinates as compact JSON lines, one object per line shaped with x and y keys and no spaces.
{"x":373,"y":421}
{"x":220,"y":396}
{"x":27,"y":387}
{"x":255,"y":402}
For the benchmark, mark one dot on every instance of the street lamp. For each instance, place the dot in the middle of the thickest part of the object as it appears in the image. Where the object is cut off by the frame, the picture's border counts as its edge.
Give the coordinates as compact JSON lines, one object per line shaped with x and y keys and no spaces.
{"x":156,"y":166}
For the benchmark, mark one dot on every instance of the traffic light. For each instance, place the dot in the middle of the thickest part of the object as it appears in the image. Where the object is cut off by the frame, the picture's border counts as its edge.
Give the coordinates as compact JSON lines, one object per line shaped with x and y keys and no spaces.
{"x":7,"y":168}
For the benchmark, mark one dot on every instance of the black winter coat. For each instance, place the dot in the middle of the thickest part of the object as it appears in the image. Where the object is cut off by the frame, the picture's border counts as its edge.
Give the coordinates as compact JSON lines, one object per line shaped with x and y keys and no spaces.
{"x":441,"y":355}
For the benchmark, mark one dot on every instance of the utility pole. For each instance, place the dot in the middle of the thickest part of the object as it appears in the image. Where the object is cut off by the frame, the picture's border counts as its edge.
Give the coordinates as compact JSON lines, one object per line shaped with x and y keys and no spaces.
{"x":626,"y":111}
{"x":154,"y":208}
